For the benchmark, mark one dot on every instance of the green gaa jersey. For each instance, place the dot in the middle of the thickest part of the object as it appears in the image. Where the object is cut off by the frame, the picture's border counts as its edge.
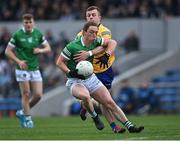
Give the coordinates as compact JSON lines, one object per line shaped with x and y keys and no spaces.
{"x":24,"y":44}
{"x":78,"y":45}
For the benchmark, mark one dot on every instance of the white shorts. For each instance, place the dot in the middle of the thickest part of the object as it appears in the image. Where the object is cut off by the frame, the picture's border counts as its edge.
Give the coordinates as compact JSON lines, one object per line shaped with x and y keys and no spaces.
{"x":24,"y":75}
{"x":92,"y":83}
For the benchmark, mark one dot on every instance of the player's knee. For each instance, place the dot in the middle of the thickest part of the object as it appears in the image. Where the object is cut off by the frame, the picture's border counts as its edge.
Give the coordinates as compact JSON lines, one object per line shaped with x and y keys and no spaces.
{"x":87,"y":99}
{"x":110,"y":105}
{"x":26,"y":94}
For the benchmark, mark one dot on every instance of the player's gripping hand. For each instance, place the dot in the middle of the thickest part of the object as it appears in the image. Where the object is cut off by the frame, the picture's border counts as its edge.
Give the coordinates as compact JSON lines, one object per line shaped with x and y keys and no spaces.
{"x":74,"y":74}
{"x":103,"y":60}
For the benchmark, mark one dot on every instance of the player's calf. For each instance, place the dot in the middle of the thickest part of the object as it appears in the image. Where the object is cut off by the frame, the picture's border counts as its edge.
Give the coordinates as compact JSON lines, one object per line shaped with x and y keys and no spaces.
{"x":83,"y":113}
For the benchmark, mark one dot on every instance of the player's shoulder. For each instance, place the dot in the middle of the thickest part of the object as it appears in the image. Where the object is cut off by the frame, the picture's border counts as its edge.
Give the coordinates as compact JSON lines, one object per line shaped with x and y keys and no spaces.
{"x":80,"y":33}
{"x":18,"y":32}
{"x":104,"y":28}
{"x":37,"y":31}
{"x":74,"y":42}
{"x":104,"y":31}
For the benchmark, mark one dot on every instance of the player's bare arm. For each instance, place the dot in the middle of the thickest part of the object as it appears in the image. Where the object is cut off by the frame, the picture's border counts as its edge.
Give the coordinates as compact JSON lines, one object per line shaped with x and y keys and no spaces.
{"x":46,"y":48}
{"x":83,"y":55}
{"x":61,"y":63}
{"x":10,"y":53}
{"x":110,"y":46}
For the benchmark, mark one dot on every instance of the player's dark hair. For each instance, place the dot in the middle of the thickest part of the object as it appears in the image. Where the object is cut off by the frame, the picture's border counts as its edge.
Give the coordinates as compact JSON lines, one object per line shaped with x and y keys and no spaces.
{"x":93,"y":8}
{"x":27,"y":16}
{"x":88,"y":24}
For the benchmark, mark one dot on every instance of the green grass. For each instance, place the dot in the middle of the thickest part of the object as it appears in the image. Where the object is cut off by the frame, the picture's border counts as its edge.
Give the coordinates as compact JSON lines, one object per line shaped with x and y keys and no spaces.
{"x":164,"y":127}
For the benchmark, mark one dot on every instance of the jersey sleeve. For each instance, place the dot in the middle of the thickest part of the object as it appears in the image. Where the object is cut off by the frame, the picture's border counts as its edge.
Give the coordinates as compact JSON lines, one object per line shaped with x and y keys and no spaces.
{"x":42,"y":39}
{"x":66,"y":52}
{"x":12,"y":41}
{"x":106,"y":34}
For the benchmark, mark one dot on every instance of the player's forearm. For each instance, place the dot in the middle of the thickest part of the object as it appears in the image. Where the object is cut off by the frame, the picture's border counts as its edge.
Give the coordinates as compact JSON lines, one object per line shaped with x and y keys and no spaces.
{"x":10,"y":54}
{"x":60,"y":63}
{"x":46,"y":48}
{"x":98,"y":50}
{"x":111,"y":47}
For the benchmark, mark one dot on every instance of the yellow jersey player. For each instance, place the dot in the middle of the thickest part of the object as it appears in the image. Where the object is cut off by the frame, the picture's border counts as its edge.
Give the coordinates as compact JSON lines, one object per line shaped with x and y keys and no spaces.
{"x":102,"y":64}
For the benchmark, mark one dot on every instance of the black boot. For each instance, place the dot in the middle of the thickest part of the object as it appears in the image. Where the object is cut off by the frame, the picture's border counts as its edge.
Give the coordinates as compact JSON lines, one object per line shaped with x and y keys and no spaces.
{"x":134,"y":129}
{"x":99,"y":124}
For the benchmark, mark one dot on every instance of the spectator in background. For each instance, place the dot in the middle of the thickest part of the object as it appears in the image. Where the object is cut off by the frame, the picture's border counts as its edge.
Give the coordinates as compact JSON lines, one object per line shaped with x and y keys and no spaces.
{"x":49,"y":37}
{"x":4,"y":39}
{"x":146,"y":100}
{"x":126,"y":97}
{"x":144,"y":10}
{"x":73,"y":9}
{"x":177,"y":8}
{"x":63,"y":40}
{"x":131,"y":42}
{"x":5,"y":78}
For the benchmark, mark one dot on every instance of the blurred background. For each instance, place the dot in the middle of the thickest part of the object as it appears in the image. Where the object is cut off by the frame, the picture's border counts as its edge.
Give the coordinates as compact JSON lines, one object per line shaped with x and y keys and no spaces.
{"x":147,"y":66}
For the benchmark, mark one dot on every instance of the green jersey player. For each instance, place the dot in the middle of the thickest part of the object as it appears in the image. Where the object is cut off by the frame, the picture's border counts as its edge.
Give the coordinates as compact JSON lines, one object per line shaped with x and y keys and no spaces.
{"x":83,"y":89}
{"x":75,"y":47}
{"x":23,"y":48}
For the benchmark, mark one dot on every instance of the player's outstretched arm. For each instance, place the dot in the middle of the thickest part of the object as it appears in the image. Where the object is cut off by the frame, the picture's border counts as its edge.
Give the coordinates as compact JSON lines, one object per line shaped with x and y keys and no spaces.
{"x":110,"y":45}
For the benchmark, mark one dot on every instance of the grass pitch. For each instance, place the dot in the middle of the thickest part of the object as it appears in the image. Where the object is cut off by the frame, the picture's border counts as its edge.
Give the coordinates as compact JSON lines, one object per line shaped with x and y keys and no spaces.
{"x":161,"y":127}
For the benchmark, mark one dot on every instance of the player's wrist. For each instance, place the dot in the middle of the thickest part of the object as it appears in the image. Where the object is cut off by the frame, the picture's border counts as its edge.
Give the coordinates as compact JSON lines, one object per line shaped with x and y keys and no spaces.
{"x":41,"y":51}
{"x":107,"y":54}
{"x":90,"y":53}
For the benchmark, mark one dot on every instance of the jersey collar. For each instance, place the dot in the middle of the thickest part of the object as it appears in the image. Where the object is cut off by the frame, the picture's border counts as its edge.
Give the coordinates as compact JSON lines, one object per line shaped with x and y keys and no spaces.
{"x":25,"y":30}
{"x":82,"y":41}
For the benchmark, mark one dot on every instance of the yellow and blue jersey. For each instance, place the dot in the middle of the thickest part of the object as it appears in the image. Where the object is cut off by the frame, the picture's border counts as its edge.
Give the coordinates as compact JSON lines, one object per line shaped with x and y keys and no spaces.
{"x":103,"y":32}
